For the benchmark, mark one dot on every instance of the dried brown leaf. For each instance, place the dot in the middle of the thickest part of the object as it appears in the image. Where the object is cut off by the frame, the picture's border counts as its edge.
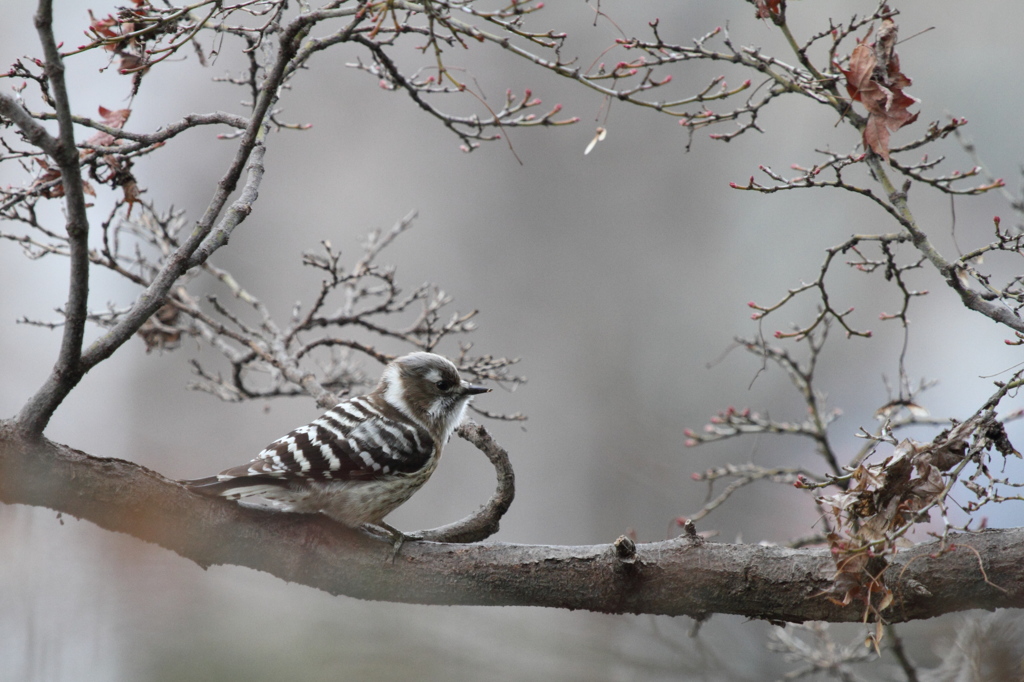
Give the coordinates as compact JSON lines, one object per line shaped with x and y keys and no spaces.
{"x":113,"y":119}
{"x":874,"y":78}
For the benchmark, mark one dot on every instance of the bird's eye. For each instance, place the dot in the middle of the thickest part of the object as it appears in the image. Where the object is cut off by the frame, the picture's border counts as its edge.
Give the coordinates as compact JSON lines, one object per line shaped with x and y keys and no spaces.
{"x":444,"y":385}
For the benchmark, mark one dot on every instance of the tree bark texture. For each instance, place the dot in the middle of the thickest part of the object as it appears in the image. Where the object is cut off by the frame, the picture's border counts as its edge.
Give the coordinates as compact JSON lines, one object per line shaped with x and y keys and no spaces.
{"x":685,"y":576}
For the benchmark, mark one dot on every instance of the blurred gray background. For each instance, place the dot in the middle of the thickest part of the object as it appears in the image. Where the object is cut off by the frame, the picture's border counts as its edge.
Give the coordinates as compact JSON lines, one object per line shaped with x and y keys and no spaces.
{"x":620,"y":278}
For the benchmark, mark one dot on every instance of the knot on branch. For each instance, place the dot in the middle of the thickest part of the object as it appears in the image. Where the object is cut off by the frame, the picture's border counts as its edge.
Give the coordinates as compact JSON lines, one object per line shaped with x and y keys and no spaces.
{"x":690,"y":531}
{"x":625,"y":550}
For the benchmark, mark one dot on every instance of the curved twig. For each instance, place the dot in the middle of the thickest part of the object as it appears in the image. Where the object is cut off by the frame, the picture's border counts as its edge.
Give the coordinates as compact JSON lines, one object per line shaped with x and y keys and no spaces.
{"x":483,"y":523}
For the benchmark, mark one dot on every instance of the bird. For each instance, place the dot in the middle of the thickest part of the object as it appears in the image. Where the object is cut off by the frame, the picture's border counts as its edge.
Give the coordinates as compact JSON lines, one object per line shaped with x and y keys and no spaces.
{"x":364,"y":457}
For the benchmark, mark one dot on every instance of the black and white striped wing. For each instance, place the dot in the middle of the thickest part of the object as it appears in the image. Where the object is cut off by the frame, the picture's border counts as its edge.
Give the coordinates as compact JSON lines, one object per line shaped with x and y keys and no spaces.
{"x":353,"y":441}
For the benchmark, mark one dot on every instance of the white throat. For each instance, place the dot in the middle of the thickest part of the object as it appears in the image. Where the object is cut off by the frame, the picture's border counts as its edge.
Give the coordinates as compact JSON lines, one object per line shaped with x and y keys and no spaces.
{"x":449,"y":421}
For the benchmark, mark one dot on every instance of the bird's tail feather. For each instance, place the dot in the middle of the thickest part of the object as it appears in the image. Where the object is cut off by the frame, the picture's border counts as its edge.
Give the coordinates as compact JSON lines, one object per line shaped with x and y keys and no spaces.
{"x":233,"y":488}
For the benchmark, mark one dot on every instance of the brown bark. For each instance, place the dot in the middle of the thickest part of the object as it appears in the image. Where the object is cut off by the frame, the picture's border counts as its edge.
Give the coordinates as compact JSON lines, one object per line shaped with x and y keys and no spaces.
{"x":677,"y":577}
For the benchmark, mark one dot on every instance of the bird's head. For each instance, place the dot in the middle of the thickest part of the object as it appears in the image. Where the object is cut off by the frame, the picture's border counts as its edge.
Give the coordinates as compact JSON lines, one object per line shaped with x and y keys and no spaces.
{"x":428,"y":389}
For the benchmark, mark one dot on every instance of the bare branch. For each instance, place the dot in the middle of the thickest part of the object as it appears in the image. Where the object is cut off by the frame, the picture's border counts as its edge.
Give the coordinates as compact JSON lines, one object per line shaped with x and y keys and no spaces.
{"x":677,"y":577}
{"x":68,"y":369}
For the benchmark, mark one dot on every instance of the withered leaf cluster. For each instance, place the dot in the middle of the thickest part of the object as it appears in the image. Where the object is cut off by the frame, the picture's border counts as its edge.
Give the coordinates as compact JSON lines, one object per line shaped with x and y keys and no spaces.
{"x":120,"y":35}
{"x":874,"y":79}
{"x":113,"y":169}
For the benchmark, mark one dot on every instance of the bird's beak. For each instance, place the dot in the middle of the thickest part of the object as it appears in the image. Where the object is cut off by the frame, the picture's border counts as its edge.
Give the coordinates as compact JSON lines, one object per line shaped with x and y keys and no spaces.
{"x":471,"y":389}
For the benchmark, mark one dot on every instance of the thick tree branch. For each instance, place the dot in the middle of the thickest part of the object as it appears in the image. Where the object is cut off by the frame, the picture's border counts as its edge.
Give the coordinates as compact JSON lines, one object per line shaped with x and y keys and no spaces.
{"x":183,"y":259}
{"x":34,"y":133}
{"x":67,"y":371}
{"x":685,"y":576}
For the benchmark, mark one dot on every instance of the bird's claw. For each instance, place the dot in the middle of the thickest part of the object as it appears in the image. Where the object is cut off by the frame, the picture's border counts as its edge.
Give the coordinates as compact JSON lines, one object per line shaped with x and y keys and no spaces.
{"x":397,"y":537}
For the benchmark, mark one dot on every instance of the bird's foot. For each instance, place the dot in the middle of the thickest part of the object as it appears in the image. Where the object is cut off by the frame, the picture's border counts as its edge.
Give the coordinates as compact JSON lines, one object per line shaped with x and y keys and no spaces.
{"x":388,"y":532}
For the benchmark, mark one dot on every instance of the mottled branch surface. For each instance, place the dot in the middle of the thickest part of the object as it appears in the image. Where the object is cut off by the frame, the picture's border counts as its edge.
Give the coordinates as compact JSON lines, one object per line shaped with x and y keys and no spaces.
{"x":677,"y":577}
